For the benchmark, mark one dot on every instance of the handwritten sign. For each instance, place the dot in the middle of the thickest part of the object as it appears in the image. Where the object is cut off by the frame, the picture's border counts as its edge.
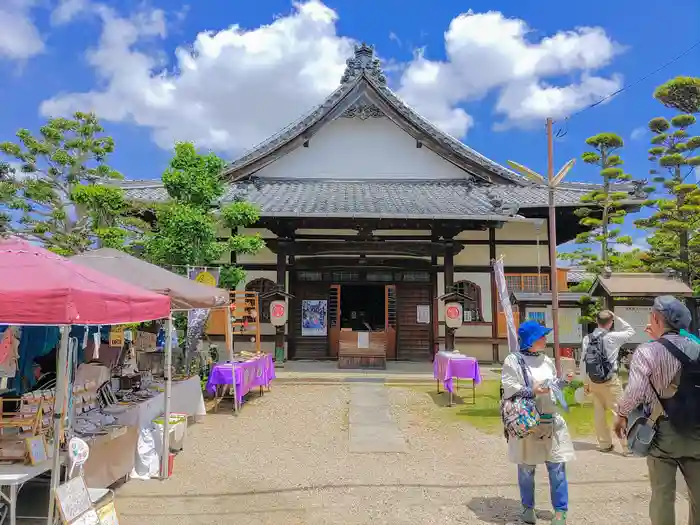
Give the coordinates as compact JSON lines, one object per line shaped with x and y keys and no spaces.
{"x":73,"y":500}
{"x":108,"y":514}
{"x":116,"y":336}
{"x":423,"y":314}
{"x":89,"y":518}
{"x":362,"y":339}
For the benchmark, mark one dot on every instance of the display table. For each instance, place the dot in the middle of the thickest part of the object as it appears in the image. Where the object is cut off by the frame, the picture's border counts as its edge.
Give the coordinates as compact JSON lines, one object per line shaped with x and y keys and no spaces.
{"x":448,"y":366}
{"x":185,"y":398}
{"x":111,"y":458}
{"x":12,"y":478}
{"x":256,"y":372}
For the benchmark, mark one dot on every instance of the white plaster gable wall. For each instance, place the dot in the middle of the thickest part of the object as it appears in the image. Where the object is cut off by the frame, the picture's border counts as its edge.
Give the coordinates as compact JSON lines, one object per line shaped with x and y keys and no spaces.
{"x":352,"y":148}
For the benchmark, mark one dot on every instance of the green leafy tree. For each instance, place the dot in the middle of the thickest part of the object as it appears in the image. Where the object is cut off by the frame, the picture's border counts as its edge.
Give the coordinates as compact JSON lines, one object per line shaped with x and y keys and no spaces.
{"x":602,"y":212}
{"x":59,"y":194}
{"x":675,"y":216}
{"x":681,"y":93}
{"x":185,"y":232}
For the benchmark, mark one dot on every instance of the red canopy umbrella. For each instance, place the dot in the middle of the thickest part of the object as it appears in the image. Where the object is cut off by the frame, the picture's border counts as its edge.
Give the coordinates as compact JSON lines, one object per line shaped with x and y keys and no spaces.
{"x":41,"y":288}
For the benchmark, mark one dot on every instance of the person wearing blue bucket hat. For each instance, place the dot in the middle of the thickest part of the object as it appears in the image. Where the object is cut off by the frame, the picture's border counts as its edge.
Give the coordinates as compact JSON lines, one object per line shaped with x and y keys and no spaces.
{"x":529,"y":373}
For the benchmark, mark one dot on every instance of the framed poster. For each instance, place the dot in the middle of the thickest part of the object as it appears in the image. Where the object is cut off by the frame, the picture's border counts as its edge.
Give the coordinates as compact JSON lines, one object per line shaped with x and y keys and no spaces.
{"x":314,"y":317}
{"x":36,"y":448}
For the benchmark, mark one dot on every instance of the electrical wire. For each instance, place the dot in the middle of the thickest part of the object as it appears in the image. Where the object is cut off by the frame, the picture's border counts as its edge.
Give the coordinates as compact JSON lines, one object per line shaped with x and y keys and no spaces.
{"x":628,"y":86}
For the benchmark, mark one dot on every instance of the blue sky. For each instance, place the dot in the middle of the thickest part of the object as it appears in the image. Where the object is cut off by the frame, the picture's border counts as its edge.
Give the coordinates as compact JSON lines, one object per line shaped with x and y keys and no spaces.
{"x":123,"y":55}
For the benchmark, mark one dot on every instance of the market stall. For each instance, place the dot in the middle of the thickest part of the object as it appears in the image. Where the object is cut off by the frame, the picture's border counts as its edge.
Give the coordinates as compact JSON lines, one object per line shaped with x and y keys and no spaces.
{"x":41,"y":288}
{"x":184,"y":294}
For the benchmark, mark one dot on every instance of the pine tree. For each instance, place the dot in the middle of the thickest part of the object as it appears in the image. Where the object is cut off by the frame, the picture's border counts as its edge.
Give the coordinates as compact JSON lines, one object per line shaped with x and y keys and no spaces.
{"x":676,"y":218}
{"x":681,"y":93}
{"x":60,"y":194}
{"x":602,"y":212}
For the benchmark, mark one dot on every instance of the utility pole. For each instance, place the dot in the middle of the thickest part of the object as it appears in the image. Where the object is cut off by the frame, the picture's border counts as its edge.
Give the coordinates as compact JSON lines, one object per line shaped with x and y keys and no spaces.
{"x":552,"y":182}
{"x":552,"y":240}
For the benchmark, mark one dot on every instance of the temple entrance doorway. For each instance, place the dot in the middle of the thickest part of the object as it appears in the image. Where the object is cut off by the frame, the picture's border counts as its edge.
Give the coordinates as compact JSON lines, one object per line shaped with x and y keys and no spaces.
{"x":362,"y":307}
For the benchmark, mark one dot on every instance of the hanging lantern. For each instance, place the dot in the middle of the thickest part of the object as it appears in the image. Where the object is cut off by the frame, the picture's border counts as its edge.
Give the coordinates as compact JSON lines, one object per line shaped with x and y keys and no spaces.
{"x":252,"y":339}
{"x":245,"y":323}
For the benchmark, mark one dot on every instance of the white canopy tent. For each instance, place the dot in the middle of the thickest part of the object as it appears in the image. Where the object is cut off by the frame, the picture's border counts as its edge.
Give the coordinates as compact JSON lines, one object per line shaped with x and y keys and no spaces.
{"x":185,"y":294}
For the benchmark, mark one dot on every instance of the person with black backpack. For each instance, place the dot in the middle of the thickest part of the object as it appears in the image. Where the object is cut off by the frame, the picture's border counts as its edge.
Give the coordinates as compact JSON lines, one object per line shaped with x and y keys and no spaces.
{"x":664,"y":385}
{"x":599,"y":363}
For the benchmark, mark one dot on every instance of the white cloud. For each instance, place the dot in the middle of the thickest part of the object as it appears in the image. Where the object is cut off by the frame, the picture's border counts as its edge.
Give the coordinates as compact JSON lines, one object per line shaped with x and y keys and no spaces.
{"x":638,"y":133}
{"x":487,"y":52}
{"x":19,"y":37}
{"x":67,"y":10}
{"x":228,"y":90}
{"x":637,"y":244}
{"x":232,"y":88}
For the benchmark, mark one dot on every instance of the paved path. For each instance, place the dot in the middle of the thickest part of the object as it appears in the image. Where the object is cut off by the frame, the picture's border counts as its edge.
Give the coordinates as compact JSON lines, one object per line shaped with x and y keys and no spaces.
{"x":296,"y":457}
{"x":372,"y":425}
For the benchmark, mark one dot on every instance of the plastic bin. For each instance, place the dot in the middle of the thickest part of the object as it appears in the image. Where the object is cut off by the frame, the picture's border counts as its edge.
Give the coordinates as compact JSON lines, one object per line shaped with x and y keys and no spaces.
{"x":178,"y":430}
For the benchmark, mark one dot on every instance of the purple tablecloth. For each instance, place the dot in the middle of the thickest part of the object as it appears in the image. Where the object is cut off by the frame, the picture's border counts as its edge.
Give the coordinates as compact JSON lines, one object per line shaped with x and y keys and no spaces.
{"x":249,"y":375}
{"x":446,"y":368}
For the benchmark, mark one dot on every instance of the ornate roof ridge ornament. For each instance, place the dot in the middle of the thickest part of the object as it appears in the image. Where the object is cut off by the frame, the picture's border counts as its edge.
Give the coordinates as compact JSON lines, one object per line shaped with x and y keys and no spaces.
{"x":363,"y":111}
{"x":365,"y":62}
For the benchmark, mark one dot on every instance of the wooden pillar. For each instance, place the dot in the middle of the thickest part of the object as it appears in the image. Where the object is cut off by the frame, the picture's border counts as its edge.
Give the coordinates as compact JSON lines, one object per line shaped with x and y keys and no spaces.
{"x":282,"y":285}
{"x":434,"y":319}
{"x":494,"y":296}
{"x":449,"y":283}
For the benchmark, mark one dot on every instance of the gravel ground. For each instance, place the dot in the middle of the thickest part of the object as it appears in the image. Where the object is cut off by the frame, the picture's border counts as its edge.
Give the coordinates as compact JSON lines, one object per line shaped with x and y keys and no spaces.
{"x":285,"y":460}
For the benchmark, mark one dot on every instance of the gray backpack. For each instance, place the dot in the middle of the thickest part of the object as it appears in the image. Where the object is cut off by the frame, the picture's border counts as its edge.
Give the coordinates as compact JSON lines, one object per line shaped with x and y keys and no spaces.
{"x":598,"y":366}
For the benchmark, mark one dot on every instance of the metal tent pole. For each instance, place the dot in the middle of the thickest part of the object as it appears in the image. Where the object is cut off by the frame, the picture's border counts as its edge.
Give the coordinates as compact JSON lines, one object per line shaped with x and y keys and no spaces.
{"x":165,"y":452}
{"x":59,"y":417}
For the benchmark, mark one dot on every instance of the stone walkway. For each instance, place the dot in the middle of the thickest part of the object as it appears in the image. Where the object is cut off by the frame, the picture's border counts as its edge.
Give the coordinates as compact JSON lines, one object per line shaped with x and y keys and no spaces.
{"x":372,"y":425}
{"x":311,"y":455}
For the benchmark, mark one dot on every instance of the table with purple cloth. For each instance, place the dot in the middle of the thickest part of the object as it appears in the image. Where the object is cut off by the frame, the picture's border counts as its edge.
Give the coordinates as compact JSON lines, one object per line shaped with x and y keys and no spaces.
{"x":447,"y":367}
{"x":257,"y":372}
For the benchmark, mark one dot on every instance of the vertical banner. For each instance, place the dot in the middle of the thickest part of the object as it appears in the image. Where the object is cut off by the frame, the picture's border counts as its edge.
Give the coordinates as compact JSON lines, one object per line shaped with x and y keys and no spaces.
{"x":197,"y":319}
{"x":504,"y":298}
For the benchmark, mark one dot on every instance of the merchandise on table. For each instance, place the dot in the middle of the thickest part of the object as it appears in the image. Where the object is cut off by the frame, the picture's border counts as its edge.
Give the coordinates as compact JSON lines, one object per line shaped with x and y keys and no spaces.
{"x":249,"y":374}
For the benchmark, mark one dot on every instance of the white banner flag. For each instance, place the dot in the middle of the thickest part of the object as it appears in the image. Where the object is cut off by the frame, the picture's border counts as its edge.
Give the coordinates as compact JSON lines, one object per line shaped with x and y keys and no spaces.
{"x":503,"y":296}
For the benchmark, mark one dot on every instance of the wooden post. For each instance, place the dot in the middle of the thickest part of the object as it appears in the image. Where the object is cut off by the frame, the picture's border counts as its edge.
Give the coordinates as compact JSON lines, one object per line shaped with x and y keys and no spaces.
{"x":282,"y":285}
{"x":449,"y":283}
{"x":494,"y":297}
{"x":552,"y":240}
{"x":434,"y":319}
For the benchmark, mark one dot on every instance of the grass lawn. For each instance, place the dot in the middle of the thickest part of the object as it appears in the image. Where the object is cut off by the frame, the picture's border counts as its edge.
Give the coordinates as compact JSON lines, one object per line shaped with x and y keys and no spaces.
{"x":485,"y":414}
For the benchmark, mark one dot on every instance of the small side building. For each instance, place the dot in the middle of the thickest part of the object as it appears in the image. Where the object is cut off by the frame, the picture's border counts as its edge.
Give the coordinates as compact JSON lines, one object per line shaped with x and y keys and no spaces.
{"x":631,"y":295}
